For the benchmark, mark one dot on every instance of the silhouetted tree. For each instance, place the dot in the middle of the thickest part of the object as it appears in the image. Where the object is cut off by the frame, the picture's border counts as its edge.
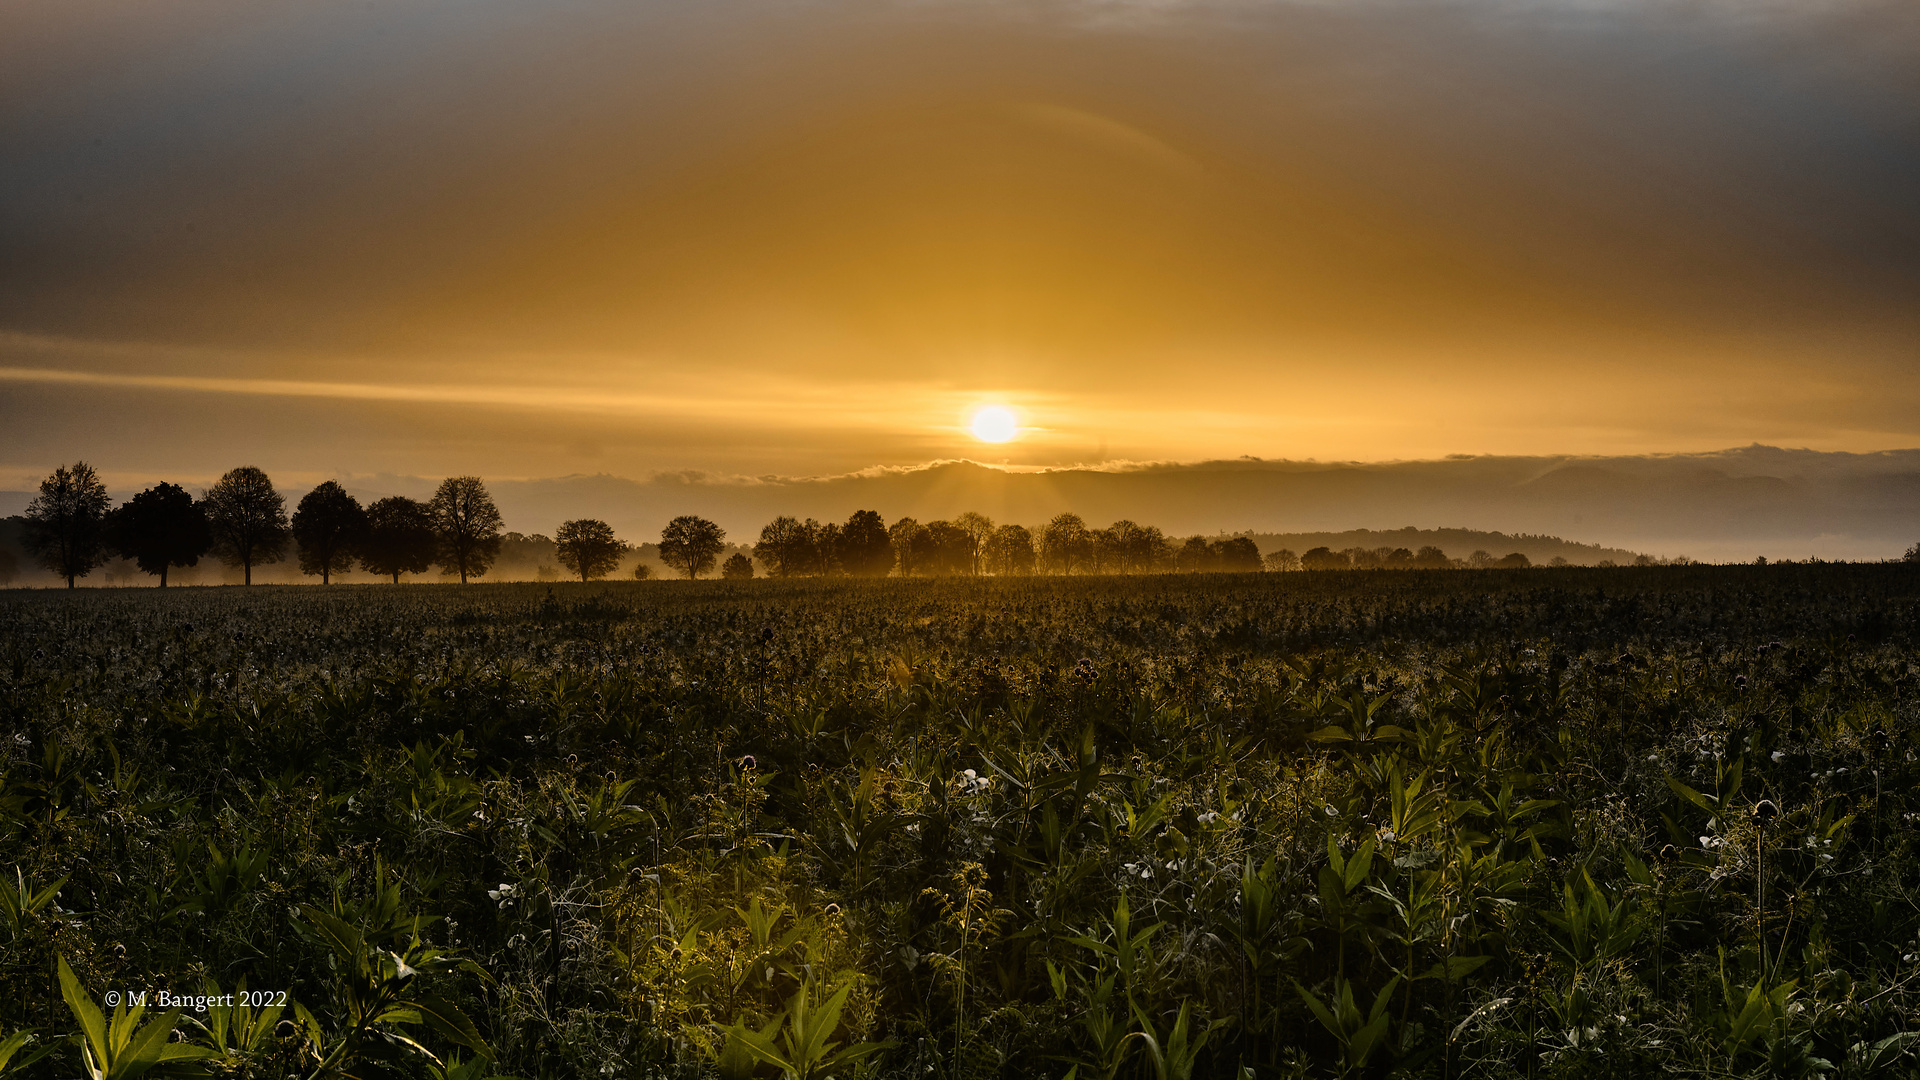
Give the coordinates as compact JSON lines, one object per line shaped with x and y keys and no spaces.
{"x":1239,"y":555}
{"x":1432,"y":558}
{"x":1913,"y":554}
{"x":1196,"y":556}
{"x":1010,"y":552}
{"x":1064,"y":544}
{"x":328,"y":526}
{"x":1124,"y":547}
{"x":737,"y":568}
{"x":979,"y":530}
{"x":1516,"y":561}
{"x":641,"y":572}
{"x":248,"y":518}
{"x":689,"y":544}
{"x":159,"y":528}
{"x":909,"y":539}
{"x":588,"y":548}
{"x":1103,"y":552}
{"x":948,"y":549}
{"x":1480,"y":560}
{"x":864,"y":547}
{"x":826,"y":547}
{"x":67,"y":525}
{"x":1282,"y":561}
{"x":788,"y":548}
{"x":1322,"y":558}
{"x":399,"y":538}
{"x":467,"y":525}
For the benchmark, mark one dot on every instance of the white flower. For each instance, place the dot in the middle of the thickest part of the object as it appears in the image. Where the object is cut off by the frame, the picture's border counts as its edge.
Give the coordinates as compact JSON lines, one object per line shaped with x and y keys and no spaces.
{"x":1779,"y":756}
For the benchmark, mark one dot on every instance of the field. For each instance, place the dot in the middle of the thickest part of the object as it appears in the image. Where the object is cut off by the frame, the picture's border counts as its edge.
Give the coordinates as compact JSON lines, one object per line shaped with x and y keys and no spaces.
{"x":1606,"y":822}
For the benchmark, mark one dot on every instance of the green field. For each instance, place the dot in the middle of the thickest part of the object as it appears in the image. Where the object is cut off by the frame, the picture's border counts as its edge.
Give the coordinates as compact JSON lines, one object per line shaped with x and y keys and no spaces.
{"x":1471,"y":823}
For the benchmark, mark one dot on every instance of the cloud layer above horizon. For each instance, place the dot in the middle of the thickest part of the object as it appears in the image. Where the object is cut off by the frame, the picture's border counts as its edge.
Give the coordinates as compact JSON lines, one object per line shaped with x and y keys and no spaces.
{"x":524,"y":239}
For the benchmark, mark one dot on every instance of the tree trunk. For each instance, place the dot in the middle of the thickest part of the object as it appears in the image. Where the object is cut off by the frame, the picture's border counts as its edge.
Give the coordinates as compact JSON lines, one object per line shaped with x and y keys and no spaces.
{"x":249,"y":571}
{"x":70,"y":578}
{"x":163,"y":577}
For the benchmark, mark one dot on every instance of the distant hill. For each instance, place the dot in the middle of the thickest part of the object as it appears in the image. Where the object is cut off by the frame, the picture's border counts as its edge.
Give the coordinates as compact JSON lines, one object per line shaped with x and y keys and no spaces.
{"x":1728,"y":505}
{"x":1457,"y":543}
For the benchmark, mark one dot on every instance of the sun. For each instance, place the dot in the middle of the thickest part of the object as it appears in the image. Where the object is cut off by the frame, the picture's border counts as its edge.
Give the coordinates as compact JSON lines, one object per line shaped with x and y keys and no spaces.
{"x":995,"y":424}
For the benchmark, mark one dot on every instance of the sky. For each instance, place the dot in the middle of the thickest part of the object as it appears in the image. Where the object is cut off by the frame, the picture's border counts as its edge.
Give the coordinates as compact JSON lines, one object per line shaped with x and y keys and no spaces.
{"x":802,"y":238}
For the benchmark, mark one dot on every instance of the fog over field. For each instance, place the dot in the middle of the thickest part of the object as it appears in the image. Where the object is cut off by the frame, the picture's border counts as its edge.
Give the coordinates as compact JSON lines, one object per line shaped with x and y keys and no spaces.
{"x":1727,"y":506}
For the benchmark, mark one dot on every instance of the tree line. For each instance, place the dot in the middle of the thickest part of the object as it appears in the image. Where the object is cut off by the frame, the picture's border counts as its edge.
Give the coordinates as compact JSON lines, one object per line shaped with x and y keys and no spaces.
{"x":72,"y":528}
{"x":971,"y":544}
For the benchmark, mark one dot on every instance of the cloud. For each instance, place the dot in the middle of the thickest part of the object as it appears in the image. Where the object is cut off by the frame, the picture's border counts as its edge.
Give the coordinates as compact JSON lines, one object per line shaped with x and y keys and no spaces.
{"x":760,"y":237}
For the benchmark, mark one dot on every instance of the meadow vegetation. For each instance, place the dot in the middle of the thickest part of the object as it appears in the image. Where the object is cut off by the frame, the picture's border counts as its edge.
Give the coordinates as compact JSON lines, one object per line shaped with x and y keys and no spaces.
{"x":1491,"y":823}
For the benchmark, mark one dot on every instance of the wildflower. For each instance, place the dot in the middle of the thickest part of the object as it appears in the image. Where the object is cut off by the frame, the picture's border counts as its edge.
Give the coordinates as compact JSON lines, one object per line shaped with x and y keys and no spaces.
{"x":747,"y":764}
{"x":1779,"y":756}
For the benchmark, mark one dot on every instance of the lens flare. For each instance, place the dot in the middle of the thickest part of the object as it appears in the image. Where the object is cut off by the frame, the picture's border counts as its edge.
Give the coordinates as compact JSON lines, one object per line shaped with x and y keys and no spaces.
{"x":995,"y":424}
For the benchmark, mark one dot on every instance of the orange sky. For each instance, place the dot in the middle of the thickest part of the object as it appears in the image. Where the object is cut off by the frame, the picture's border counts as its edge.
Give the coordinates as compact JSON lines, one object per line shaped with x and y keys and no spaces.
{"x":522,"y":239}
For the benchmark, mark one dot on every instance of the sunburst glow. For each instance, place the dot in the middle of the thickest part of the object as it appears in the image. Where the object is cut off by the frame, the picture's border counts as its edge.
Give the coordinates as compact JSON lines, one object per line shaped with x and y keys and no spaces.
{"x":995,"y":424}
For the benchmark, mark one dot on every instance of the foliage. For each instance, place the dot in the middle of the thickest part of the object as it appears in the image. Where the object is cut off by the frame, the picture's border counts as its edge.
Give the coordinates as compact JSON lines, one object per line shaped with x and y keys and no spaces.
{"x":66,"y":525}
{"x":466,"y":526}
{"x":399,"y":538}
{"x":689,"y":544}
{"x":1452,"y":823}
{"x":328,"y":526}
{"x":160,"y":528}
{"x":248,"y":519}
{"x":589,"y":548}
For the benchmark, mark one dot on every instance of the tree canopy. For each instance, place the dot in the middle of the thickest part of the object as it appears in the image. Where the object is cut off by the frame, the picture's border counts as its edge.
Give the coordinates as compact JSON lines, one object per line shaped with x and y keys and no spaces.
{"x":399,"y":538}
{"x":67,"y":524}
{"x":788,"y":547}
{"x":588,"y":548}
{"x":1064,"y":543}
{"x":737,"y":568}
{"x":160,"y":528}
{"x":328,"y":526}
{"x":467,"y":525}
{"x":248,"y":518}
{"x":865,"y":548}
{"x":689,"y":544}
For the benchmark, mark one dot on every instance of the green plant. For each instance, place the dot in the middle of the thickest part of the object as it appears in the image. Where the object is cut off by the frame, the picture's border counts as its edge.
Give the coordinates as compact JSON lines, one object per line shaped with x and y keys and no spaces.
{"x":1358,"y":1034}
{"x":798,"y":1041}
{"x":123,"y":1048}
